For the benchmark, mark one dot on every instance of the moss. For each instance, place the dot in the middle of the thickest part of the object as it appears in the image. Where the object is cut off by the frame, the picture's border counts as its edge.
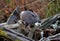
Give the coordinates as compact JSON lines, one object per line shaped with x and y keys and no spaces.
{"x":18,"y":40}
{"x":2,"y":33}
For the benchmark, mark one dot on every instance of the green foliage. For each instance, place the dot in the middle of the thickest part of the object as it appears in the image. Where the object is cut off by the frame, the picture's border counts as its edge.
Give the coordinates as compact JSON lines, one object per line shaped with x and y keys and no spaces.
{"x":53,"y":8}
{"x":7,"y":1}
